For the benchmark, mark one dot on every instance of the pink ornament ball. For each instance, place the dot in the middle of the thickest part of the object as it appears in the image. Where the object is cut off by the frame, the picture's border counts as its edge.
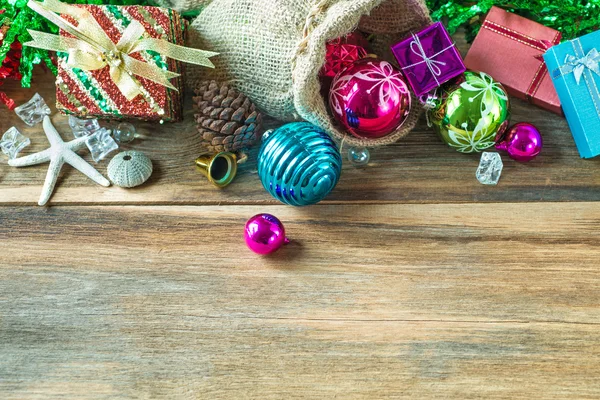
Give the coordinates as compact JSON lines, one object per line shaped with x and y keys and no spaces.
{"x":264,"y":234}
{"x":523,"y":142}
{"x":370,"y":99}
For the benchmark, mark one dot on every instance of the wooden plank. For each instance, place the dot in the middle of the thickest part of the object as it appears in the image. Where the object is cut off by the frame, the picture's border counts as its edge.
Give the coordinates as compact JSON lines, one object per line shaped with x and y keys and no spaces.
{"x":108,"y":354}
{"x":419,"y":169}
{"x":455,"y":300}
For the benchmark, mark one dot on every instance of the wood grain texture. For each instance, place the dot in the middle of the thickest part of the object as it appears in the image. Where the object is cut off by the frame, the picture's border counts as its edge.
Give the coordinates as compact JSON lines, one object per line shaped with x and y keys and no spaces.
{"x":369,"y":301}
{"x":150,"y":293}
{"x":418,"y":169}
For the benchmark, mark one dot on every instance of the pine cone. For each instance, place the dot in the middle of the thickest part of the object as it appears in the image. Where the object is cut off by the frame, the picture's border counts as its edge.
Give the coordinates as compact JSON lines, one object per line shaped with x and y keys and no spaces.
{"x":227,"y":120}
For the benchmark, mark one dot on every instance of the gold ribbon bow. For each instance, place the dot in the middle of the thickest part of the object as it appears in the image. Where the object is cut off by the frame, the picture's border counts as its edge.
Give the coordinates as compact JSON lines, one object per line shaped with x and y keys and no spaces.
{"x":92,"y":49}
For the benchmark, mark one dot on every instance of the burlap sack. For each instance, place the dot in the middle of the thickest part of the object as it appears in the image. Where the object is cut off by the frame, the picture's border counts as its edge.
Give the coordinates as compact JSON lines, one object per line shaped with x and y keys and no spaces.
{"x":273,"y":50}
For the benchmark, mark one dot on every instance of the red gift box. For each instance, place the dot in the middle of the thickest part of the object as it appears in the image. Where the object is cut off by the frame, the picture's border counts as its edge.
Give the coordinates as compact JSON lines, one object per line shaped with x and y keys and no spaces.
{"x":95,"y":94}
{"x":510,"y":48}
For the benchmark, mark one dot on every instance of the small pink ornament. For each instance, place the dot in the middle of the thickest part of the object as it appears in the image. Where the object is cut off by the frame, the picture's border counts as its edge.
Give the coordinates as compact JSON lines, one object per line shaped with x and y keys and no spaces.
{"x":523,"y":142}
{"x":370,"y":99}
{"x":264,"y":234}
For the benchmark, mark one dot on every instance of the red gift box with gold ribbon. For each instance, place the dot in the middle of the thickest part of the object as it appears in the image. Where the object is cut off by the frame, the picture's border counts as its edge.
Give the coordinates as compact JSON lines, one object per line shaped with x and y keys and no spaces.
{"x":510,"y":48}
{"x":94,"y":93}
{"x":117,"y":61}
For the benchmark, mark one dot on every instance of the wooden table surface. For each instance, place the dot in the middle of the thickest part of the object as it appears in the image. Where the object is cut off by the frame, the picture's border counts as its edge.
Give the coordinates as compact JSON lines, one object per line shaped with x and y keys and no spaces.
{"x":411,"y":280}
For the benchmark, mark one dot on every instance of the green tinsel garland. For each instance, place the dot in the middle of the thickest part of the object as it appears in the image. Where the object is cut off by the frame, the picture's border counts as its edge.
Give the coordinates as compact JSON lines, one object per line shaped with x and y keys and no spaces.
{"x":20,"y":18}
{"x":573,"y":18}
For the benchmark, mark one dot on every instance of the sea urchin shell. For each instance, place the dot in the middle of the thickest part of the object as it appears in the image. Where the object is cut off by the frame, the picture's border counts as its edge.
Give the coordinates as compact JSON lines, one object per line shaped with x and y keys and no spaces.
{"x":129,"y":169}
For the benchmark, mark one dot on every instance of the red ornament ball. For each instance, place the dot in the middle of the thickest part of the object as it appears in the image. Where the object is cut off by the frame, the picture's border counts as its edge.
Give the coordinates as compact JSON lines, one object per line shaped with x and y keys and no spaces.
{"x":370,"y":99}
{"x":343,"y":52}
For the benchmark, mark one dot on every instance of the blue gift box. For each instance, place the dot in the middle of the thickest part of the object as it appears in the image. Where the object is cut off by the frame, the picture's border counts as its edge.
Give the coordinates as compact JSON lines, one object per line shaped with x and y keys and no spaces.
{"x":575,"y":70}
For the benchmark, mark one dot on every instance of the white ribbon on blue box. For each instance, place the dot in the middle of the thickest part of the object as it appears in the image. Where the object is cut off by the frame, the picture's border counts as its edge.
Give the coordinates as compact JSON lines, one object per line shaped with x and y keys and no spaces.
{"x":575,"y":70}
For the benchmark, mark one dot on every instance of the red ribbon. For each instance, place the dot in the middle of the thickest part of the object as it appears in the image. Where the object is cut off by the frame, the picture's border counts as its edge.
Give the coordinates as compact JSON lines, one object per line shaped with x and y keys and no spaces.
{"x":10,"y":103}
{"x":538,"y":44}
{"x":9,"y":69}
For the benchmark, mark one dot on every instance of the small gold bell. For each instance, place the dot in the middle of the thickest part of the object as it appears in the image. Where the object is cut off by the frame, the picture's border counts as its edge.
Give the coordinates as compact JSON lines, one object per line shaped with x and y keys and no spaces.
{"x":220,"y":169}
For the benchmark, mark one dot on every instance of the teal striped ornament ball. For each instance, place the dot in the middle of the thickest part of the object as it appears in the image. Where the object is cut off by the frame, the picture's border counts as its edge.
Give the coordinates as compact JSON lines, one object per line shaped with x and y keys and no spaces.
{"x":299,"y":164}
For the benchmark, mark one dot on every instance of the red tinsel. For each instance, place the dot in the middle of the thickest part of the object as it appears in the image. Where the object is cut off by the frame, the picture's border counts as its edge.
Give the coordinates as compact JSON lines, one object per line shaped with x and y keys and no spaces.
{"x":10,"y":66}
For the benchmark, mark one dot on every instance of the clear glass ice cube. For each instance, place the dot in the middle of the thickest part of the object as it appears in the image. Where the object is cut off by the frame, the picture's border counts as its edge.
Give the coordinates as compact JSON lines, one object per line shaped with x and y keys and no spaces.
{"x":83,"y":127}
{"x":33,"y":111}
{"x":124,"y":132}
{"x":101,"y":144}
{"x":490,"y":168}
{"x":13,"y":142}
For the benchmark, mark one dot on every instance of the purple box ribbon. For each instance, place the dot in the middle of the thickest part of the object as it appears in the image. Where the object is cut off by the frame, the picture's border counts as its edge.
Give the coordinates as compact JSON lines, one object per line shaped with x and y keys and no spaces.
{"x":427,"y":60}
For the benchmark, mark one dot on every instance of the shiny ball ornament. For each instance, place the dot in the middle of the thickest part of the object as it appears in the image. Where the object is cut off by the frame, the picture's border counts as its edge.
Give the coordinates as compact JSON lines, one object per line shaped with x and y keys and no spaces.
{"x":468,"y":114}
{"x":299,"y":164}
{"x":523,"y":142}
{"x":370,"y":99}
{"x":342,"y":52}
{"x":359,"y":156}
{"x":264,"y":234}
{"x":124,"y":132}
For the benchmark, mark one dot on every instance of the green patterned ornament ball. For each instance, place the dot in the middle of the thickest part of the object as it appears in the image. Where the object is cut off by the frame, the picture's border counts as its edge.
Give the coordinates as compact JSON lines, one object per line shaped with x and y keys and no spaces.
{"x":469,"y":113}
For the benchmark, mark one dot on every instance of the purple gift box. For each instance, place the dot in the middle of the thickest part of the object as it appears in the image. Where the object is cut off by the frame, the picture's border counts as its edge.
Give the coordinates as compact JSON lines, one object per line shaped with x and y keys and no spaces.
{"x":429,"y":59}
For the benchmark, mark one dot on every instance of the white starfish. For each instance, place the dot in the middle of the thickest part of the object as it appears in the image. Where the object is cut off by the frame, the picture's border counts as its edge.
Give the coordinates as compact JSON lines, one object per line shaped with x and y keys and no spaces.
{"x":58,"y":154}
